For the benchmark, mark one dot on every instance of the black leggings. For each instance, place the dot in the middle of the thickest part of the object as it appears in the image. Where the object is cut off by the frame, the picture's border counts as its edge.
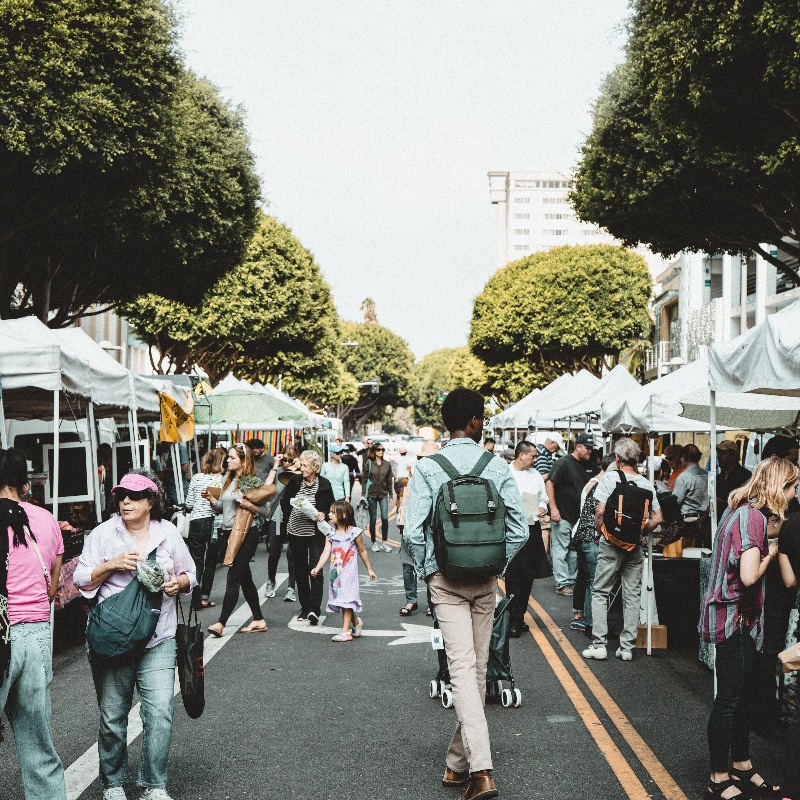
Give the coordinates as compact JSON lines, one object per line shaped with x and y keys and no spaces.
{"x":239,"y":575}
{"x":306,"y":552}
{"x":275,"y":543}
{"x":203,"y":552}
{"x":520,"y":575}
{"x":729,"y":723}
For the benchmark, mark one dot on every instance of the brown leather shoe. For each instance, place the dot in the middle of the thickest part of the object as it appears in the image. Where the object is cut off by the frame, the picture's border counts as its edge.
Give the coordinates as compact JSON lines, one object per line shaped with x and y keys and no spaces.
{"x":481,"y":786}
{"x":453,"y":778}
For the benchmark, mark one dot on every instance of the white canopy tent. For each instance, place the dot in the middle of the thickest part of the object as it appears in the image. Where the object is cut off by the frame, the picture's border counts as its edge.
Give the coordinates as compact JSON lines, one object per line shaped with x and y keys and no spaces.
{"x":615,"y":386}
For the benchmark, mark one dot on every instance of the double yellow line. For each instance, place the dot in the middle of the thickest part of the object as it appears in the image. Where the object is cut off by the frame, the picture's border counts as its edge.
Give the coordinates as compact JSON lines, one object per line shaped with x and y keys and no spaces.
{"x":616,"y":760}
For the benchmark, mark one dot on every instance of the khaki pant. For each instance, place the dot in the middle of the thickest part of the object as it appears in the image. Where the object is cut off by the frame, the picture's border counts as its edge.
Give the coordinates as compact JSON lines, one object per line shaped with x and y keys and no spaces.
{"x":465,"y":612}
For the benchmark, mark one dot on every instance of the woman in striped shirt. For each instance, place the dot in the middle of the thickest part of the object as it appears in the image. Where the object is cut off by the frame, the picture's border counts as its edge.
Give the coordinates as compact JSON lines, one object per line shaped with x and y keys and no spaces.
{"x":201,"y":526}
{"x":732,"y":618}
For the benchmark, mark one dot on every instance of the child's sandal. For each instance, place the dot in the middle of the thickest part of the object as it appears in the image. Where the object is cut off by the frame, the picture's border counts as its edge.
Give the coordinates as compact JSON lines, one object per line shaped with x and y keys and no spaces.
{"x":743,"y":779}
{"x":715,"y":790}
{"x":342,"y":637}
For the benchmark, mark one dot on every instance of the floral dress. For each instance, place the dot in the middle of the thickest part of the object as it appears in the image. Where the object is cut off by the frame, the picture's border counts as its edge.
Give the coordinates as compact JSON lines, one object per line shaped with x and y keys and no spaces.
{"x":343,"y":591}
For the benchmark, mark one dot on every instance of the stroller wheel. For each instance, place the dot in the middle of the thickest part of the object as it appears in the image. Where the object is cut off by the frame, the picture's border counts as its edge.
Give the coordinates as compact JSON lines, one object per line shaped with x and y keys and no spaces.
{"x":447,"y":698}
{"x":517,"y":698}
{"x":434,"y":689}
{"x":506,"y":698}
{"x":498,"y":688}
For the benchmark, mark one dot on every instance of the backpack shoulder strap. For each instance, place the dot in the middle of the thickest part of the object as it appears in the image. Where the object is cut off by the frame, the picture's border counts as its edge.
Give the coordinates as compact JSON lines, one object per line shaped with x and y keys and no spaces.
{"x":445,"y":464}
{"x":622,"y":479}
{"x":481,"y":464}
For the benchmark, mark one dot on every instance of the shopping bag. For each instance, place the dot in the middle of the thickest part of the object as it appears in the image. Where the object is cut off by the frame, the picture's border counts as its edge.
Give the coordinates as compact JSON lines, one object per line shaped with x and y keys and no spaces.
{"x":191,"y":671}
{"x":362,"y":514}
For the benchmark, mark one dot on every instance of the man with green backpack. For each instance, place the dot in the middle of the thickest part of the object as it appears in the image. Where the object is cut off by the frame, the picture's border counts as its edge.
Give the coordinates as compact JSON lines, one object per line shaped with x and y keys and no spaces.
{"x":464,"y":522}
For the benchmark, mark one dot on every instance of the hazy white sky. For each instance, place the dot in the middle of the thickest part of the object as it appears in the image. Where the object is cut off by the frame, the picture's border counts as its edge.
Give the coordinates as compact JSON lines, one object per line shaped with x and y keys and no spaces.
{"x":374,"y":123}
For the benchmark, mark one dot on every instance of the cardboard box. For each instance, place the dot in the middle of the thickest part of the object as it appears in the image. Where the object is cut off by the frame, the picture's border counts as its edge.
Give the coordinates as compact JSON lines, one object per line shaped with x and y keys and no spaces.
{"x":658,"y":637}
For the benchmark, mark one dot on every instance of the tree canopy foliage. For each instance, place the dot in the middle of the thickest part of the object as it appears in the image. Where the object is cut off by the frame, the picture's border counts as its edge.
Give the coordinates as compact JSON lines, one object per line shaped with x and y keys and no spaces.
{"x":271,"y":315}
{"x":696,"y":137}
{"x":440,"y":372}
{"x":559,"y":310}
{"x":122,"y":172}
{"x":378,"y":355}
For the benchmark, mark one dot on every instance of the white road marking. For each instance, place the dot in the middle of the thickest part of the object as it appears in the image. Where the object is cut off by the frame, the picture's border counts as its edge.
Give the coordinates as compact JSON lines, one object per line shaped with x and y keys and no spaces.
{"x":84,"y":771}
{"x":411,"y":634}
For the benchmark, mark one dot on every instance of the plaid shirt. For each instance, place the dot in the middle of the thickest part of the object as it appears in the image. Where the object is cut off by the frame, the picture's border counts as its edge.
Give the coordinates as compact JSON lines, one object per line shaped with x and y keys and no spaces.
{"x":728,"y":603}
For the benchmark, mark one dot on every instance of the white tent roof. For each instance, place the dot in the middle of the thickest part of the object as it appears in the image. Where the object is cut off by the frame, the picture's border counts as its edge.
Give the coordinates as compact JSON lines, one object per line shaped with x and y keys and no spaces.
{"x":616,"y":386}
{"x":655,"y":406}
{"x":505,"y":419}
{"x":765,"y":359}
{"x":750,"y":412}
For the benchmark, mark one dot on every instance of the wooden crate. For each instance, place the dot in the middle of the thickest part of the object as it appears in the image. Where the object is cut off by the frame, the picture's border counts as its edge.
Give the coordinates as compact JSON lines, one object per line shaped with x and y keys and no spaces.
{"x":658,"y":637}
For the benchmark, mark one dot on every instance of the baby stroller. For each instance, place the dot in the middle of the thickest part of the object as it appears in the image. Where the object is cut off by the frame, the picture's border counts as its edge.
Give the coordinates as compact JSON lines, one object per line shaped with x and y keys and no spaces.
{"x":498,"y":670}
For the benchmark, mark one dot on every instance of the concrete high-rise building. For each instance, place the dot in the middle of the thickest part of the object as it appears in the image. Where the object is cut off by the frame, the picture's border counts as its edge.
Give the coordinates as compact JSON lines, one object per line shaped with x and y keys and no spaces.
{"x":533,"y":214}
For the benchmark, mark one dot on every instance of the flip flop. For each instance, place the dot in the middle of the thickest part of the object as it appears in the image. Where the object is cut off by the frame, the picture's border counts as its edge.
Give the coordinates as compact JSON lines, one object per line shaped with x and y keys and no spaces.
{"x":214,"y":631}
{"x":429,"y":613}
{"x":248,"y":629}
{"x":207,"y":604}
{"x":408,"y":609}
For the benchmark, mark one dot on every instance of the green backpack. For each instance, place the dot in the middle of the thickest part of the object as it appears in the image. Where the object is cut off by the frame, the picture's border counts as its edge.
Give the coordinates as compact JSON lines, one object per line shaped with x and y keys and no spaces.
{"x":468,"y":523}
{"x":124,"y":623}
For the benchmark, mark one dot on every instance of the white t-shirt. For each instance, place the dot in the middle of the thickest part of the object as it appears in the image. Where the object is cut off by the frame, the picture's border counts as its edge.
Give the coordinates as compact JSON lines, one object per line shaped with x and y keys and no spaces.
{"x":531,"y":488}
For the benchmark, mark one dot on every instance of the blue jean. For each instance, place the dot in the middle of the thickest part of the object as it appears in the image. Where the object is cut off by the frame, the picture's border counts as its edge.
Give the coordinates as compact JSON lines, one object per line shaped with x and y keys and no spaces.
{"x":25,"y":696}
{"x":153,"y":674}
{"x":374,"y":504}
{"x":410,"y":583}
{"x":587,"y":555}
{"x":565,"y":561}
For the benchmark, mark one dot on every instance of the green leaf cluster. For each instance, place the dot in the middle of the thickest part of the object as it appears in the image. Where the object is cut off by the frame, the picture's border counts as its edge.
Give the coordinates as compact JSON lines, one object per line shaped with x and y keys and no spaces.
{"x":559,"y":310}
{"x":696,"y":137}
{"x":122,"y":172}
{"x":272,"y":315}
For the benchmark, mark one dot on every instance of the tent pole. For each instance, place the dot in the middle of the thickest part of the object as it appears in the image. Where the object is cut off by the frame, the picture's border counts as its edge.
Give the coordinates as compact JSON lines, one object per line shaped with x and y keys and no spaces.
{"x":3,"y":434}
{"x":176,"y":472}
{"x":54,"y":477}
{"x":137,"y":460}
{"x":651,"y":477}
{"x":98,"y":512}
{"x":712,"y":464}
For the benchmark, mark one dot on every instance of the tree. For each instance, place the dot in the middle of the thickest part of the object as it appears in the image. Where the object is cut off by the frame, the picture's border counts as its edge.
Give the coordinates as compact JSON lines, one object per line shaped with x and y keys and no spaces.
{"x":381,"y":356}
{"x":368,"y":308}
{"x":561,"y":310}
{"x":273,"y":315}
{"x":696,"y":138}
{"x":440,"y":372}
{"x":122,"y":173}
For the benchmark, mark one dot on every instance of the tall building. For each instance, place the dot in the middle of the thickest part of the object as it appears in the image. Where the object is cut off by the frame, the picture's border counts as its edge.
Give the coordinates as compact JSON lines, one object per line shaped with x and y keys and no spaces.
{"x":115,"y":335}
{"x":533,"y":214}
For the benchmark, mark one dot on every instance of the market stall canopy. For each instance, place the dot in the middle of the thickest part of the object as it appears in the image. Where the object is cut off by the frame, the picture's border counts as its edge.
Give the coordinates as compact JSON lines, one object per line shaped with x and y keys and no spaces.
{"x":507,"y":417}
{"x":749,"y":412}
{"x":765,"y":359}
{"x":614,"y":387}
{"x":554,"y":398}
{"x":656,"y":406}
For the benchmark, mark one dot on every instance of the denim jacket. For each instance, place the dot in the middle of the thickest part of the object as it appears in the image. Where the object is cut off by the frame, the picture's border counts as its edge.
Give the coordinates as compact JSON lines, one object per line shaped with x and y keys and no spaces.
{"x":424,"y":485}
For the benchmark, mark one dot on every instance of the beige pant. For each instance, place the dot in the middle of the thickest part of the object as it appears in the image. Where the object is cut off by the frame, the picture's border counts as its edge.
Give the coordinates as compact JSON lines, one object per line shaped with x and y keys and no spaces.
{"x":465,"y":612}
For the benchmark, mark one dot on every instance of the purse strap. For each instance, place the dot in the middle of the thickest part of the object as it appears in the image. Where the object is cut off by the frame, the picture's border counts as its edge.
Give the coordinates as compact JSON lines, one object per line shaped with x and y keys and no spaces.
{"x":38,"y":552}
{"x":192,"y":610}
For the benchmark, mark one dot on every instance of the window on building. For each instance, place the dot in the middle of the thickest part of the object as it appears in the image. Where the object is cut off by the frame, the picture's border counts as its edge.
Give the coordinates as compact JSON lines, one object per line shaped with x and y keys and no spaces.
{"x":522,"y":199}
{"x":555,"y":232}
{"x":522,"y":216}
{"x":557,"y":216}
{"x":554,"y":200}
{"x":523,"y":247}
{"x":522,"y":231}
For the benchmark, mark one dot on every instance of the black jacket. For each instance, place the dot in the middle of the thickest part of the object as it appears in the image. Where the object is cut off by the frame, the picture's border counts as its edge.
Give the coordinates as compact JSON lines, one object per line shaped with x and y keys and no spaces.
{"x":323,"y":499}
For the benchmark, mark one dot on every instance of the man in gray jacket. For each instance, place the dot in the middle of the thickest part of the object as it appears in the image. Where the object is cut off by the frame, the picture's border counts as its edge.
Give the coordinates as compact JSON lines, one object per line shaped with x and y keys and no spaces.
{"x":464,"y":609}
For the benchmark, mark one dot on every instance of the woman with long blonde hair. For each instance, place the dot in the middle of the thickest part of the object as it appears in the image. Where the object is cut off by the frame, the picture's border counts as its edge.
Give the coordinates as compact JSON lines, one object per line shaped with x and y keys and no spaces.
{"x":732,"y":618}
{"x":240,"y":463}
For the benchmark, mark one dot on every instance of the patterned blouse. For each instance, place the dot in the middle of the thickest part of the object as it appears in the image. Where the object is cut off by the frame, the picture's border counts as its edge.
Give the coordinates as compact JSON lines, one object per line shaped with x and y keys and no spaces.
{"x":729,"y":605}
{"x":300,"y":524}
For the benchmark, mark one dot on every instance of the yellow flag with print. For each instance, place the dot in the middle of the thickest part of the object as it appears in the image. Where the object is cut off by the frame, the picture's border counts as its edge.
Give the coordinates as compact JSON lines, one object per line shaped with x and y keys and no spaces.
{"x":177,"y":421}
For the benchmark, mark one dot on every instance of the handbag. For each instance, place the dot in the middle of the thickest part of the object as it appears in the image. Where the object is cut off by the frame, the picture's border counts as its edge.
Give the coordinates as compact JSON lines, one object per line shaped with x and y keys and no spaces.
{"x":181,"y":520}
{"x":191,"y":671}
{"x":790,"y":658}
{"x":124,"y":623}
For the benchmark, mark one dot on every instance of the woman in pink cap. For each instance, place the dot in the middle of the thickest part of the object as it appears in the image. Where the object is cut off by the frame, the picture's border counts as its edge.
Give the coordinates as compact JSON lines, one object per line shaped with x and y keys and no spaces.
{"x":107,"y":565}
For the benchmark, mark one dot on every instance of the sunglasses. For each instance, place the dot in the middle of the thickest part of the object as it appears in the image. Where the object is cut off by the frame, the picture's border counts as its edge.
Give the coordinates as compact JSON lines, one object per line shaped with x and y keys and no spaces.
{"x":379,"y":449}
{"x":133,"y":494}
{"x":240,"y":447}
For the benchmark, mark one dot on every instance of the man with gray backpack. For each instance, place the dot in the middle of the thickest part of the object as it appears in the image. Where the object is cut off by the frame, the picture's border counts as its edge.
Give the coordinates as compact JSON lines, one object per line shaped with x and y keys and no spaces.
{"x":464,"y":522}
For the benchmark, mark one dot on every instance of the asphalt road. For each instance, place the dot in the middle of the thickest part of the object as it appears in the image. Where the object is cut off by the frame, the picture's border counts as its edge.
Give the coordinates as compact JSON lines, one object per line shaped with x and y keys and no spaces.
{"x":291,"y":714}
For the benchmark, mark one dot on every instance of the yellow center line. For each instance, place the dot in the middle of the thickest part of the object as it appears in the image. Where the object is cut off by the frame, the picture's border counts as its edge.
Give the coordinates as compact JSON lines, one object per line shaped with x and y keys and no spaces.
{"x":658,"y":772}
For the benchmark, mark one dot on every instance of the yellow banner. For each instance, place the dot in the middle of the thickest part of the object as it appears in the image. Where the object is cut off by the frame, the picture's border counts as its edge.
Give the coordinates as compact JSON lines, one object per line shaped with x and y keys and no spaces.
{"x":177,"y":422}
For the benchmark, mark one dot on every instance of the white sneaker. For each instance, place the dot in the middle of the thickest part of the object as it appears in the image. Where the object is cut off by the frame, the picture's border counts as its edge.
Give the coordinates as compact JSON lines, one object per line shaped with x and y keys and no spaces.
{"x":155,"y":794}
{"x":376,"y":548}
{"x":385,"y":547}
{"x":625,"y":655}
{"x":597,"y":651}
{"x":114,"y":793}
{"x":291,"y":596}
{"x":270,"y":589}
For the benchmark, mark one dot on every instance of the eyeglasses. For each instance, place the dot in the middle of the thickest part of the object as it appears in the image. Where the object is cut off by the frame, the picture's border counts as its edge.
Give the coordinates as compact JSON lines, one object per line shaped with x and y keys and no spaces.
{"x":240,"y":447}
{"x":133,"y":494}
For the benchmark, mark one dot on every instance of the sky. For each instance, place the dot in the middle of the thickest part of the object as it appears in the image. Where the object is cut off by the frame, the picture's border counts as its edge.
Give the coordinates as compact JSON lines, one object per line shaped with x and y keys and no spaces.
{"x":375,"y":123}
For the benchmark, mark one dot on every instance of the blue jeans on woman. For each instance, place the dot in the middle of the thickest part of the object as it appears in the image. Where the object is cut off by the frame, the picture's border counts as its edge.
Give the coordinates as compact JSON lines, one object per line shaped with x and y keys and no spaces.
{"x":25,"y":696}
{"x":374,"y":504}
{"x":153,"y":674}
{"x":587,"y":556}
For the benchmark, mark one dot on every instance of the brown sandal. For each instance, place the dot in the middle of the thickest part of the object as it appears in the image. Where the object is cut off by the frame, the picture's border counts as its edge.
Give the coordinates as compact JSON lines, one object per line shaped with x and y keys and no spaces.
{"x":250,"y":629}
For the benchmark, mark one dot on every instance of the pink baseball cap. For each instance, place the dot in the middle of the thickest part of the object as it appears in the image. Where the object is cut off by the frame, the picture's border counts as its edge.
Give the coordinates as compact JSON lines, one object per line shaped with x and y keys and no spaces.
{"x":136,"y":483}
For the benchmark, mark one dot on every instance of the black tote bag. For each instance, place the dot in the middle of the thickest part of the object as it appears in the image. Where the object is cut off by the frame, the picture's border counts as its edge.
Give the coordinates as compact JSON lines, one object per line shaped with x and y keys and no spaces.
{"x":191,"y":671}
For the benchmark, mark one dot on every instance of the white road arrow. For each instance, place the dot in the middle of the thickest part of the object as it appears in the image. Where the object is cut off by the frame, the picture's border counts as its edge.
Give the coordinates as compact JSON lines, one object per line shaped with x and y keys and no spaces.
{"x":411,"y":634}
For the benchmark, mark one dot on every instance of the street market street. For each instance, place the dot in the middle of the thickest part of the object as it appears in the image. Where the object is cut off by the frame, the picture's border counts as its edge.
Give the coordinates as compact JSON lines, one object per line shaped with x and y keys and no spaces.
{"x":291,"y":714}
